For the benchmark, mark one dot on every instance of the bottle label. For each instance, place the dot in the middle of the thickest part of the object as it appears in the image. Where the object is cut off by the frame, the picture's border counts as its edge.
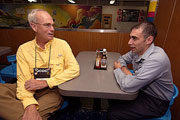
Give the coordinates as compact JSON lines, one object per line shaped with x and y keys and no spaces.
{"x":98,"y":63}
{"x":103,"y":63}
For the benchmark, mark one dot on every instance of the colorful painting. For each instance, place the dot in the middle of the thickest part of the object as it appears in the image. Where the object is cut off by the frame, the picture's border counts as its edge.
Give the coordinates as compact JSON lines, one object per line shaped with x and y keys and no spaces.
{"x":64,"y":16}
{"x":9,"y":18}
{"x":82,"y":16}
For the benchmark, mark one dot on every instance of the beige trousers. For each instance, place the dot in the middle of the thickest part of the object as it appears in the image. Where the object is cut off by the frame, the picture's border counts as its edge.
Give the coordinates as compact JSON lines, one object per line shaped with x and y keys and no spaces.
{"x":12,"y":109}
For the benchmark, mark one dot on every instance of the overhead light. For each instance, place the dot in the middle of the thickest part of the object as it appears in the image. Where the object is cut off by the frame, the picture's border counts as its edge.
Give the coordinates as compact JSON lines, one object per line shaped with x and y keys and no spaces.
{"x":71,"y":1}
{"x":112,"y":2}
{"x":32,"y":0}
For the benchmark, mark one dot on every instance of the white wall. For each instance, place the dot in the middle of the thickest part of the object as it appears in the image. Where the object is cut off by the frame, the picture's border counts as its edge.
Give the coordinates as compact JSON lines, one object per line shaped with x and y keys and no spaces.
{"x":122,"y":26}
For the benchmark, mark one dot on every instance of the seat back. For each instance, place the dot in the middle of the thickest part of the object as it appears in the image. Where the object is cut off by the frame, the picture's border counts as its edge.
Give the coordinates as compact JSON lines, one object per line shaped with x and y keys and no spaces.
{"x":8,"y":73}
{"x":64,"y":105}
{"x":12,"y":60}
{"x":167,"y":115}
{"x":176,"y":92}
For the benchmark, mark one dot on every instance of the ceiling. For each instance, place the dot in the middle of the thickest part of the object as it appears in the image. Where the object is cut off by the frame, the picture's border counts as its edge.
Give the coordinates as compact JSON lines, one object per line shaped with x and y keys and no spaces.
{"x":85,"y":2}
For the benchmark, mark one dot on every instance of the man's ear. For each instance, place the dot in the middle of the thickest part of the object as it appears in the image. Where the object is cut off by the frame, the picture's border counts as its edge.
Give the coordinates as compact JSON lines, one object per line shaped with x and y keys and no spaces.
{"x":33,"y":26}
{"x":149,"y":40}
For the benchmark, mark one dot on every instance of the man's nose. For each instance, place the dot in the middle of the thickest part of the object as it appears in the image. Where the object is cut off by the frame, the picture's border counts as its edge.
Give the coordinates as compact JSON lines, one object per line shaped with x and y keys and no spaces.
{"x":52,"y":28}
{"x":130,"y":42}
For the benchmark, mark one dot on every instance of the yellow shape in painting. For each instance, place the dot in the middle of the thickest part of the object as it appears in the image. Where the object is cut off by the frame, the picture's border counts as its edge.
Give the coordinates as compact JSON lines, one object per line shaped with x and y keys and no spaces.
{"x":152,"y":6}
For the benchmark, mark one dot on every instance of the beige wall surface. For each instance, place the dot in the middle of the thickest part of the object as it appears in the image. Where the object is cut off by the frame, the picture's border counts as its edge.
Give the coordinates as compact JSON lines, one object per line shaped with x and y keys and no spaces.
{"x":122,"y":26}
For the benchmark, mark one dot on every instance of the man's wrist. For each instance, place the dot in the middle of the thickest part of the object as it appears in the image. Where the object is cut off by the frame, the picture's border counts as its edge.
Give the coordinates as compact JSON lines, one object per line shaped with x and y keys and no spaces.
{"x":45,"y":83}
{"x":122,"y":67}
{"x":31,"y":106}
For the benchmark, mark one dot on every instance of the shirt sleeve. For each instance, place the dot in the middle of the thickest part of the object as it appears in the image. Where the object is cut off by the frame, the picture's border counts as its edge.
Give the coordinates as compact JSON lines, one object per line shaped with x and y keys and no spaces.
{"x":71,"y":70}
{"x":147,"y":72}
{"x":125,"y":59}
{"x":23,"y":74}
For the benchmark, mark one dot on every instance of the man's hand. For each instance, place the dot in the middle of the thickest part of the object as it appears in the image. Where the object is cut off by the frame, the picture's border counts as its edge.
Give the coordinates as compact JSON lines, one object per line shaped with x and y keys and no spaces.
{"x":31,"y":113}
{"x":33,"y":84}
{"x":117,"y":65}
{"x":123,"y":68}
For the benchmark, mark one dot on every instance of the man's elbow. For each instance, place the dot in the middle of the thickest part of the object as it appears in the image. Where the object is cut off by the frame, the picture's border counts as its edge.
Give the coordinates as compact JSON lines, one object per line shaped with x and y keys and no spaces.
{"x":76,"y":71}
{"x":128,"y":89}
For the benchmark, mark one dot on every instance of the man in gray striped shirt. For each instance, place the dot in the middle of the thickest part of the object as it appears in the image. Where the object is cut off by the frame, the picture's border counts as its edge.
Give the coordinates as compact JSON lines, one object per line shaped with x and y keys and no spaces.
{"x":152,"y":77}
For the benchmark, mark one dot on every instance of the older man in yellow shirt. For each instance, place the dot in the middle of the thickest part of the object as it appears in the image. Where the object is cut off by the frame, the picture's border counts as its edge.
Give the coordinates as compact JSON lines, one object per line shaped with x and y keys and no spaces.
{"x":42,"y":64}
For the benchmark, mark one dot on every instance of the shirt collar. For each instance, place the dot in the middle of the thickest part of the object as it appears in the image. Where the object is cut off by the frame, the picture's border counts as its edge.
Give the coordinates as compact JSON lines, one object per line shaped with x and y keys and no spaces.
{"x":47,"y":45}
{"x":146,"y":54}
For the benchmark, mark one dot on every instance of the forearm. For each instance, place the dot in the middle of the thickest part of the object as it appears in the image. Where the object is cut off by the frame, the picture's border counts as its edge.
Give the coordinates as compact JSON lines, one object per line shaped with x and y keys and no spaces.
{"x":127,"y":83}
{"x":25,"y":96}
{"x":33,"y":85}
{"x":126,"y":70}
{"x":68,"y":74}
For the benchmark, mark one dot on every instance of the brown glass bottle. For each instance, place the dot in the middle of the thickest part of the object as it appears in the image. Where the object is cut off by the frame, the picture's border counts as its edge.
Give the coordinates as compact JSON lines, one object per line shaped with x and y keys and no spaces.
{"x":104,"y":61}
{"x":98,"y":60}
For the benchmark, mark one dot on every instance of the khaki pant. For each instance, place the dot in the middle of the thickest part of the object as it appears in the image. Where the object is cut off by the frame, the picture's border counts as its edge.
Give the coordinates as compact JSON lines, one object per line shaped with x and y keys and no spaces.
{"x":12,"y":109}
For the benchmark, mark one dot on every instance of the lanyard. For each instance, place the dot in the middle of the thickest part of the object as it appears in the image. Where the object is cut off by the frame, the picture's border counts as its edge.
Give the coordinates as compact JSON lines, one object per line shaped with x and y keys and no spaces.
{"x":49,"y":56}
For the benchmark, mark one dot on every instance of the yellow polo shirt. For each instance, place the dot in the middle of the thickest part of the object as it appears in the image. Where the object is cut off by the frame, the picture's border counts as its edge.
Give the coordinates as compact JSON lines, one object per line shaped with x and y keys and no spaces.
{"x":63,"y":66}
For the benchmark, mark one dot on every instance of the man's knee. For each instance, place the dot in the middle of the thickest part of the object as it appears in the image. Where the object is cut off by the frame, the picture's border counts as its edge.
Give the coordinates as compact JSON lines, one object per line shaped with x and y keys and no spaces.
{"x":49,"y":103}
{"x":10,"y":107}
{"x":112,"y":115}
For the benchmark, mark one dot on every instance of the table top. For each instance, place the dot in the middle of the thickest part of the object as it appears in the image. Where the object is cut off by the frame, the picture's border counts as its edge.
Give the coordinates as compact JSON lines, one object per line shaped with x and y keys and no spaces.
{"x":4,"y":50}
{"x":95,"y":83}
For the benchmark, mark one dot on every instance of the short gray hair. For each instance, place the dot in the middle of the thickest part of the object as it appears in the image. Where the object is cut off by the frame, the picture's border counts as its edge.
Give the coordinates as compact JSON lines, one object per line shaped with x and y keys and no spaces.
{"x":32,"y":15}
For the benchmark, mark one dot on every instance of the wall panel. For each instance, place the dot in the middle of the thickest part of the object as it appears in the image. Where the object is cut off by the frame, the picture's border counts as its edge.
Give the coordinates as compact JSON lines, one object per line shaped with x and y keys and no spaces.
{"x":123,"y":47}
{"x":4,"y":37}
{"x":110,"y":41}
{"x":4,"y":41}
{"x":79,"y":41}
{"x":62,"y":35}
{"x":168,"y":25}
{"x":162,"y":20}
{"x":18,"y":37}
{"x":172,"y":45}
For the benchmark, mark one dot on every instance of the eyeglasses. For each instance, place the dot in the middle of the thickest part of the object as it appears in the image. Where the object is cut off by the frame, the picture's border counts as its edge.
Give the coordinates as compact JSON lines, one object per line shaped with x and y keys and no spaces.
{"x":47,"y":25}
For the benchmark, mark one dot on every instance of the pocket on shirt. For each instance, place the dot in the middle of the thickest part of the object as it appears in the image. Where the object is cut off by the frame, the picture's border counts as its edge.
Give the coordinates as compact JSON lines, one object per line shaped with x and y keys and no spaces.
{"x":57,"y":64}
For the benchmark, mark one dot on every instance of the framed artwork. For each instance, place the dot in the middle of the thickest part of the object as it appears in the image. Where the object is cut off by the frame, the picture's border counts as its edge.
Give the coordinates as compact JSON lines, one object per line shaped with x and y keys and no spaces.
{"x":107,"y":21}
{"x":130,"y":15}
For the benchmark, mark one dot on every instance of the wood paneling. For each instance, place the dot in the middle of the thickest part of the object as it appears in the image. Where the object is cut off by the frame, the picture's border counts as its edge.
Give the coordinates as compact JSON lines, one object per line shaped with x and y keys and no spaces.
{"x":4,"y":41}
{"x":4,"y":38}
{"x":19,"y":36}
{"x":78,"y":41}
{"x":168,"y":24}
{"x":13,"y":38}
{"x":123,"y":47}
{"x":110,"y":41}
{"x":162,"y":20}
{"x":171,"y":46}
{"x":62,"y":35}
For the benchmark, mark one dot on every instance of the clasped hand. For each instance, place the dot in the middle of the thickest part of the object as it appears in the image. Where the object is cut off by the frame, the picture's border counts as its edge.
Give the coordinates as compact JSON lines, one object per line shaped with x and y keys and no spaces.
{"x":33,"y":84}
{"x":117,"y":64}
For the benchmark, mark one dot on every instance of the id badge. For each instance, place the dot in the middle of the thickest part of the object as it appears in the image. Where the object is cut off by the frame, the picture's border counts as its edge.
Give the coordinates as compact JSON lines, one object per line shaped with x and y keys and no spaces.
{"x":42,"y":73}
